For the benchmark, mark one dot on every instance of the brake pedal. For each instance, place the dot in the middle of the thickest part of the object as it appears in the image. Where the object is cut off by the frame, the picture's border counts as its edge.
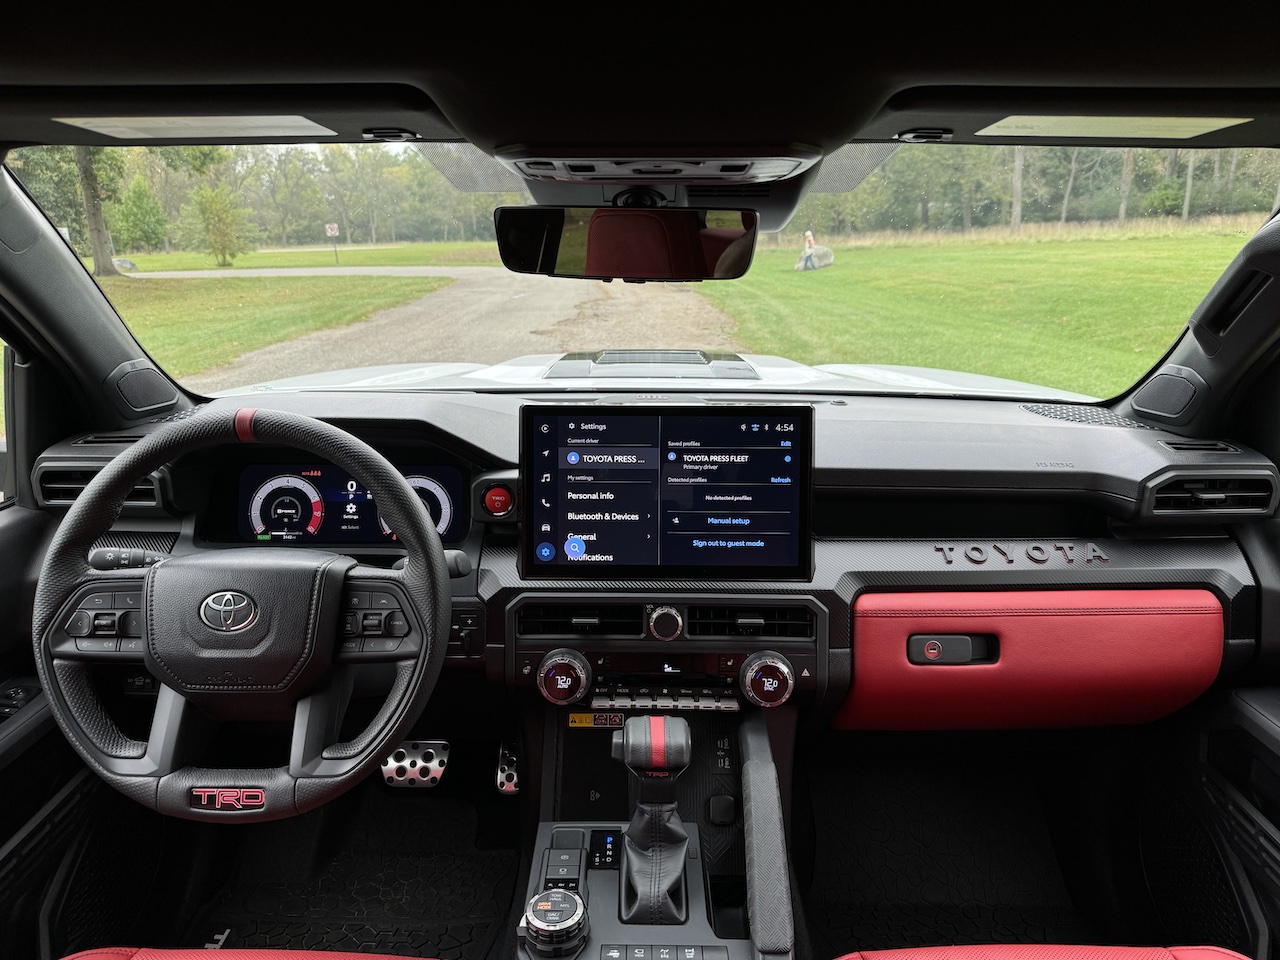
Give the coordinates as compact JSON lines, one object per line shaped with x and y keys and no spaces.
{"x":416,"y":763}
{"x":508,"y":779}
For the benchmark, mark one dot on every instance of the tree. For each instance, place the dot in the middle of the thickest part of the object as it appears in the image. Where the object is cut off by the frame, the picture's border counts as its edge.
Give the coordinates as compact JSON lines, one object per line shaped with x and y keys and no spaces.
{"x":138,"y":220}
{"x":91,"y":192}
{"x":222,"y":224}
{"x":1019,"y":161}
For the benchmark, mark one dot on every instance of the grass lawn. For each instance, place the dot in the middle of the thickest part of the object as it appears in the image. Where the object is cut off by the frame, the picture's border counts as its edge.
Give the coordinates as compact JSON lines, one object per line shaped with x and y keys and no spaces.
{"x":470,"y":253}
{"x":1089,"y":315}
{"x":189,"y":326}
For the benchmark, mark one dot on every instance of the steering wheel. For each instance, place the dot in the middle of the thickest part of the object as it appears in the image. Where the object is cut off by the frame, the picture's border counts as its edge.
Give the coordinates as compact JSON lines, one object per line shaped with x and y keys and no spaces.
{"x":245,"y":633}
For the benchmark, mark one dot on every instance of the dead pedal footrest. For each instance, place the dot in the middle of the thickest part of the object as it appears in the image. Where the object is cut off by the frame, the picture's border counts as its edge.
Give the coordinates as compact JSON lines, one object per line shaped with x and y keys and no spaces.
{"x":416,"y":763}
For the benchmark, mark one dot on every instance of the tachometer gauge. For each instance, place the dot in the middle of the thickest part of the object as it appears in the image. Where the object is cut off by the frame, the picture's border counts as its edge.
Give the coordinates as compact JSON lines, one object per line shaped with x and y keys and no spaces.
{"x":286,"y":507}
{"x":436,"y":499}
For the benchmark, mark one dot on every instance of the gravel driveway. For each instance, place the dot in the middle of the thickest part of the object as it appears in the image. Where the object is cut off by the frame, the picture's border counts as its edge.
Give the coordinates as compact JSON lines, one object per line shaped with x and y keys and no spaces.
{"x":486,"y":315}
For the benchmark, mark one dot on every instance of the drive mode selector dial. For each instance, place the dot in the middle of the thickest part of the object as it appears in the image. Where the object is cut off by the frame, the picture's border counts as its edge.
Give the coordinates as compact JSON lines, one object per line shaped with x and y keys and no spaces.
{"x":665,"y":623}
{"x":767,"y":679}
{"x":555,"y":923}
{"x":564,"y":676}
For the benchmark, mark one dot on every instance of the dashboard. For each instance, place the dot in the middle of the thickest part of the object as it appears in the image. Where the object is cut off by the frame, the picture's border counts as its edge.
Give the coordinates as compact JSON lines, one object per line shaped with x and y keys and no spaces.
{"x":960,"y":516}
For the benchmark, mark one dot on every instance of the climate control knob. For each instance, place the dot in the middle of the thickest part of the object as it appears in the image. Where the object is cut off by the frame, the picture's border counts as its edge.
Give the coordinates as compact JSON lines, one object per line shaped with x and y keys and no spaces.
{"x":767,"y":679}
{"x":564,"y":676}
{"x":665,"y":623}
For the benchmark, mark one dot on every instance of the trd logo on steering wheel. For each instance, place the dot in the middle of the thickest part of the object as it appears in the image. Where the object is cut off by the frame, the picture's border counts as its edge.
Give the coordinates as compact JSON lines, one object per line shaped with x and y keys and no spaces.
{"x":228,"y":611}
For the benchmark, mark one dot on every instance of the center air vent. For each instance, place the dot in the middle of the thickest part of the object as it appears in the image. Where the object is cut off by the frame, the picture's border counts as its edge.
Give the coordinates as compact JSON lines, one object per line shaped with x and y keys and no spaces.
{"x":60,"y":486}
{"x":729,"y":623}
{"x":1213,"y":495}
{"x":555,"y":621}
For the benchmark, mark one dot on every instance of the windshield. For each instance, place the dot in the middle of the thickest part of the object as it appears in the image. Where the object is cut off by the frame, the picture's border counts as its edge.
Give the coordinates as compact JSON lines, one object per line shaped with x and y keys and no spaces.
{"x":1072,"y":269}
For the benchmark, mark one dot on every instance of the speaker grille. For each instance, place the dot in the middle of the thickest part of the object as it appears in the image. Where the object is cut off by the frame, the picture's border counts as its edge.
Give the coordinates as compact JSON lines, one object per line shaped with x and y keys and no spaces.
{"x":1094,"y":416}
{"x":146,"y":388}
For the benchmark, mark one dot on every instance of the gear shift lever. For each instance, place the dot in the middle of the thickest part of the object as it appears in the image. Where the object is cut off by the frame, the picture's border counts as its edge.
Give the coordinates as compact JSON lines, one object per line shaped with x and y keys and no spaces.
{"x":656,"y":750}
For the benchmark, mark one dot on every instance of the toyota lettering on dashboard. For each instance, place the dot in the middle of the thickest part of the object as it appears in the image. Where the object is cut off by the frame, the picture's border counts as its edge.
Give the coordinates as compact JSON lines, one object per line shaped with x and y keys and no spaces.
{"x":711,"y":493}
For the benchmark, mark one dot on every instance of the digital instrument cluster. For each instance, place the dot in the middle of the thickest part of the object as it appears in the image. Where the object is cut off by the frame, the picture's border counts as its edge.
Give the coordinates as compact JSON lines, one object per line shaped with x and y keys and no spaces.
{"x":666,"y":491}
{"x":321,"y":503}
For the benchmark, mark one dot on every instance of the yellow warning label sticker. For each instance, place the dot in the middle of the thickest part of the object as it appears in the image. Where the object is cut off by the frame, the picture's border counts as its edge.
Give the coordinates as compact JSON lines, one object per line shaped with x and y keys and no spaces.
{"x":594,"y":721}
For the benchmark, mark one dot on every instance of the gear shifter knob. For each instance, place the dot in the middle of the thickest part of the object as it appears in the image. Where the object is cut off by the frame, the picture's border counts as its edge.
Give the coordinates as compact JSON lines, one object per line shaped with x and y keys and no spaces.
{"x":654,"y":746}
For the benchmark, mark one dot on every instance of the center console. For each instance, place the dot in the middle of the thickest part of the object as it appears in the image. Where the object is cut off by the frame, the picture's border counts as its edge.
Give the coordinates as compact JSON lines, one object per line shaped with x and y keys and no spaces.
{"x":699,"y":872}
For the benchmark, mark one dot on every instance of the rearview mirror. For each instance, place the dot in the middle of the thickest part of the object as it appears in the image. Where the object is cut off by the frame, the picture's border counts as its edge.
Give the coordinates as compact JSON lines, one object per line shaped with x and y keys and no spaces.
{"x":626,"y":243}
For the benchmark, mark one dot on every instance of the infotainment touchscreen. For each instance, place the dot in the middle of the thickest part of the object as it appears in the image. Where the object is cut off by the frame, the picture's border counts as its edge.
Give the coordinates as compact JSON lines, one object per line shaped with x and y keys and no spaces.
{"x":707,"y":492}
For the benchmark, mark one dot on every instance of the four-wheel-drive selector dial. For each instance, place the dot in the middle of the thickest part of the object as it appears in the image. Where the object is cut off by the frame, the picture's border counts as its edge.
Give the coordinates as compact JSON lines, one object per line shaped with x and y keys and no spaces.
{"x":767,"y":679}
{"x":564,"y":676}
{"x":555,"y":923}
{"x":665,"y":623}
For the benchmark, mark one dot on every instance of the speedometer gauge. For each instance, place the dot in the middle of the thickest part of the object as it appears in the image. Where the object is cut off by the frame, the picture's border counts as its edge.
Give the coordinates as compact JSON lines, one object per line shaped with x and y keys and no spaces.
{"x":436,"y":499}
{"x":285,"y":507}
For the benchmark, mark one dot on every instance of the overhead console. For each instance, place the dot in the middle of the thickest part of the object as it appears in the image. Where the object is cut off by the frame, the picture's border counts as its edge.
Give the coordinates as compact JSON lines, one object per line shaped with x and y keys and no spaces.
{"x":641,"y":492}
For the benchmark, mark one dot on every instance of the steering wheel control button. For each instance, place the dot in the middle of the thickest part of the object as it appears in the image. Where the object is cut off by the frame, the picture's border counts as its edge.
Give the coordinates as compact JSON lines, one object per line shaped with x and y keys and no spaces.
{"x":80,"y":624}
{"x":767,"y":679}
{"x":359,"y":601}
{"x":383,"y":601}
{"x":97,"y":601}
{"x":564,"y":676}
{"x":396,"y":624}
{"x":97,"y":644}
{"x":499,"y":500}
{"x":416,"y":763}
{"x":926,"y":649}
{"x":555,"y":923}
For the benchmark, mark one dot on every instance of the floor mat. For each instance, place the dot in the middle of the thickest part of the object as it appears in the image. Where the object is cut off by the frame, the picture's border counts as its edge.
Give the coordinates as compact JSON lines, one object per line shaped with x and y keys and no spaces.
{"x":928,"y":850}
{"x":398,"y":875}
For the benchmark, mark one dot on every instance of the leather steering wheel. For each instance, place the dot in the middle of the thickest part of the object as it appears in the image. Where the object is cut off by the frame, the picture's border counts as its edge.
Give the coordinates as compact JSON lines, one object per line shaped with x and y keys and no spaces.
{"x":243,"y":633}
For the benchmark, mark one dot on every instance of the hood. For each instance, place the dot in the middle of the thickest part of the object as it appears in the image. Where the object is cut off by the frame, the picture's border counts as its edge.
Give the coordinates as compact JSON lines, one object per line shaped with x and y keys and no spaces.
{"x":692,"y":371}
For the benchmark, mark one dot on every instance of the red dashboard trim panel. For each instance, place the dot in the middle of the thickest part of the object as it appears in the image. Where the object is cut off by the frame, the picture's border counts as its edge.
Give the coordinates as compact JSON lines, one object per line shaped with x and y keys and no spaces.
{"x":1065,"y":658}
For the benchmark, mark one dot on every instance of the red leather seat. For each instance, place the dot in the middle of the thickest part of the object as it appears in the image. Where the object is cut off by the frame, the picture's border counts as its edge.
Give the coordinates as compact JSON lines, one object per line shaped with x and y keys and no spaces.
{"x":147,"y":953}
{"x":1046,"y":951}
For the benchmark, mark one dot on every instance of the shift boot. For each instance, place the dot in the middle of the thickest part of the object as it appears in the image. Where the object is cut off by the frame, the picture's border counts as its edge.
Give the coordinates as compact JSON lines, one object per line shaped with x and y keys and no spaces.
{"x":652,"y":873}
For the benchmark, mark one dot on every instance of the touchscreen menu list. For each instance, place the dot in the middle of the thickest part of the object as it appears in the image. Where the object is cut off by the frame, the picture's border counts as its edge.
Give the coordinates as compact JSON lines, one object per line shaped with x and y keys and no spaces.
{"x":676,"y":489}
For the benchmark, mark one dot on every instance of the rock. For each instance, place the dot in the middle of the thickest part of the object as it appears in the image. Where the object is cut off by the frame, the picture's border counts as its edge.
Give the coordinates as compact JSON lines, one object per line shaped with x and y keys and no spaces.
{"x":822,"y":257}
{"x":122,"y":264}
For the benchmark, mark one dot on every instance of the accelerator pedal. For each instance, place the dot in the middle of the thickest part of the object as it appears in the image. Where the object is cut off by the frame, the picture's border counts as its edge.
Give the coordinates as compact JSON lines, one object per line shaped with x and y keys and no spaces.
{"x":416,"y":763}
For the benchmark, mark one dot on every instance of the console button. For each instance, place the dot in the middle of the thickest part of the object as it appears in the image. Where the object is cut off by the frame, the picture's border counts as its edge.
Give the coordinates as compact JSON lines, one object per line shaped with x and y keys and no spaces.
{"x":715,"y":953}
{"x":639,"y":952}
{"x":612,"y":951}
{"x":690,"y":953}
{"x":565,"y":857}
{"x":664,"y":953}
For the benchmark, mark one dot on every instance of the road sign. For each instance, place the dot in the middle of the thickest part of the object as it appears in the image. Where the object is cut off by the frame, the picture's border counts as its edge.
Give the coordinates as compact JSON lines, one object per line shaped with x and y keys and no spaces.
{"x":330,"y":229}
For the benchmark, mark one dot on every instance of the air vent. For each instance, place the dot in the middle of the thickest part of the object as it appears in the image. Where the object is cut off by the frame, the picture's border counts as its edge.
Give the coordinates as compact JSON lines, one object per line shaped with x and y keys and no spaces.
{"x":101,"y":439}
{"x":729,"y":623}
{"x":59,"y":487}
{"x":557,"y":621}
{"x":1201,"y":446}
{"x":1214,"y":495}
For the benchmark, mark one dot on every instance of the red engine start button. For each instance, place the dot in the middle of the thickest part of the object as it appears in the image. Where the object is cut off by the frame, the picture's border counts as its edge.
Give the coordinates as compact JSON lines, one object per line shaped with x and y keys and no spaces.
{"x":498,"y":501}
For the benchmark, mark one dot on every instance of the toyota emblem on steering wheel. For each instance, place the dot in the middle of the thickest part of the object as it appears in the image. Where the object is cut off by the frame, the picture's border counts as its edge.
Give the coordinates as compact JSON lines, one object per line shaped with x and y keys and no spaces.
{"x":228,"y":611}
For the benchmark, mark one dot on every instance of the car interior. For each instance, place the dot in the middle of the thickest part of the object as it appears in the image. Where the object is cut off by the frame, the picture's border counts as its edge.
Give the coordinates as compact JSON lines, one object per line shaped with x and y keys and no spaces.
{"x":992,"y":677}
